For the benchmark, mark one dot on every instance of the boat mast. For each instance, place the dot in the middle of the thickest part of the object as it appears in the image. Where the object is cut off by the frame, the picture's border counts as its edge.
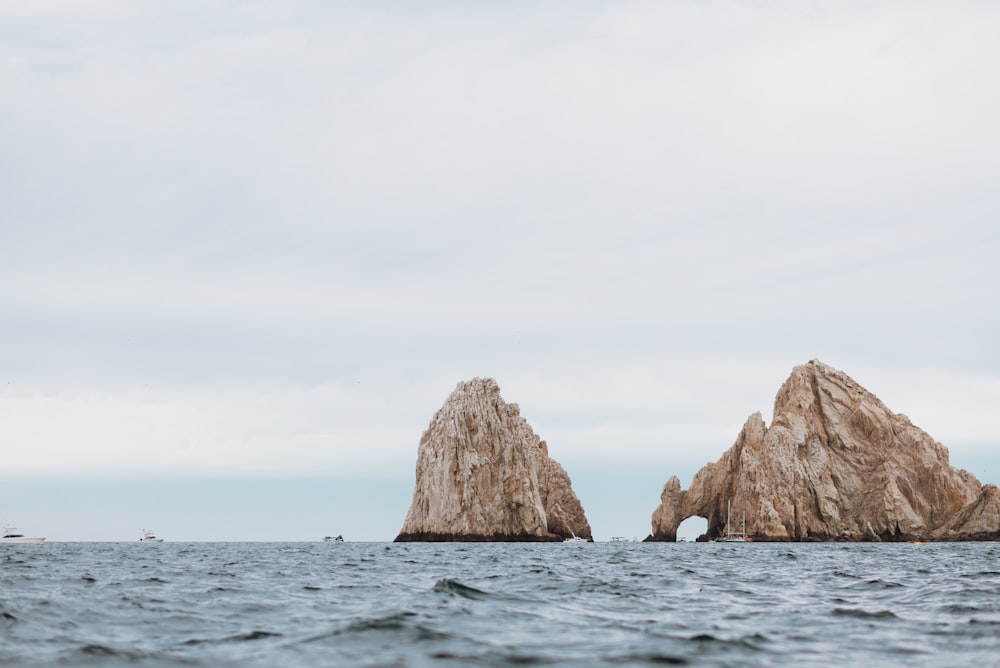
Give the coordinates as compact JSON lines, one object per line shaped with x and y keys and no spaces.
{"x":729,"y":514}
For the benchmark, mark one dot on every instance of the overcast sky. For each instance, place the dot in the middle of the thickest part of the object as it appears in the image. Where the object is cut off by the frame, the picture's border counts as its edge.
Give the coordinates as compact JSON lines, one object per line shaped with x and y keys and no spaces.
{"x":247,"y":249}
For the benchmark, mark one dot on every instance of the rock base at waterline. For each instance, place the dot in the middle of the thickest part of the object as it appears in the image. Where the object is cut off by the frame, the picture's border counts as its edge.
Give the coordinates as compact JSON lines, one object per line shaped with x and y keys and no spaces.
{"x":430,"y":537}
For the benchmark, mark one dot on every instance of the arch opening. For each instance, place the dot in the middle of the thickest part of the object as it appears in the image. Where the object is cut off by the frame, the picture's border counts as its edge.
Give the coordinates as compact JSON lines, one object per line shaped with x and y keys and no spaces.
{"x":690,"y":529}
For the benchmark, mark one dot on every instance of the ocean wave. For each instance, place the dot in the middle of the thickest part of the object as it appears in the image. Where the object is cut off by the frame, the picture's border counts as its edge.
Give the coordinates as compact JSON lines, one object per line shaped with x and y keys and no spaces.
{"x":6,"y":618}
{"x":456,"y":588}
{"x":399,"y":627}
{"x":249,"y":636}
{"x":863,"y":614}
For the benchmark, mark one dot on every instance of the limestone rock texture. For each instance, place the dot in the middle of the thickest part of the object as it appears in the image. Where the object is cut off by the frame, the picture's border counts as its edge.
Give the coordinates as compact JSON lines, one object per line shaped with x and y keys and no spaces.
{"x":980,"y":520}
{"x":835,"y":464}
{"x":484,"y":475}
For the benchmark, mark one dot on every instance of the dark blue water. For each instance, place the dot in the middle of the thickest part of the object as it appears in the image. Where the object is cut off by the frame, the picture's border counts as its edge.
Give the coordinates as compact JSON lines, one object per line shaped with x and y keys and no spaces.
{"x":384,"y":604}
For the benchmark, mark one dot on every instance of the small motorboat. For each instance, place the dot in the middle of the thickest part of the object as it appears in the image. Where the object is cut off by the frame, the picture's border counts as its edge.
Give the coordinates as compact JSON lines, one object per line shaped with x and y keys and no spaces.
{"x":333,"y":539}
{"x":149,"y":537}
{"x":12,"y":535}
{"x":576,"y":539}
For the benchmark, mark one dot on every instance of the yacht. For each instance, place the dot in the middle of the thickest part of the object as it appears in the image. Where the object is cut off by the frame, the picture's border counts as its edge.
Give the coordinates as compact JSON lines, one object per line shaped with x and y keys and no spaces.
{"x":12,"y":535}
{"x":149,"y":537}
{"x":734,"y":536}
{"x":333,"y":539}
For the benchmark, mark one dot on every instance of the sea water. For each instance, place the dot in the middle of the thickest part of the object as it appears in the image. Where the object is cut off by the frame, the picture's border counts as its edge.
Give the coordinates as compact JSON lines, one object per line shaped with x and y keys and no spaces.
{"x":493,"y":604}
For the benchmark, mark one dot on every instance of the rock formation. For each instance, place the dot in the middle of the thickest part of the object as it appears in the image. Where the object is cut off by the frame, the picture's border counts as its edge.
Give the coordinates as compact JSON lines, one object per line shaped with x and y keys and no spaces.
{"x":980,"y":520}
{"x":835,"y":464}
{"x":483,"y":475}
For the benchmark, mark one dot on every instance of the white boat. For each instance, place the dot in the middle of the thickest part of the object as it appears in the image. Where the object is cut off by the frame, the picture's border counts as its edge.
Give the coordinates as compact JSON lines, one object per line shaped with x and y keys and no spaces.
{"x":575,"y":539}
{"x":732,"y":536}
{"x":149,"y":537}
{"x":12,"y":535}
{"x":333,"y":539}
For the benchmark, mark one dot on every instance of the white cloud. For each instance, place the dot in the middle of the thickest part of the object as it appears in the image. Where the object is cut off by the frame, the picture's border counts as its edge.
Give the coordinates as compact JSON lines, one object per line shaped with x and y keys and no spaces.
{"x":329,"y":430}
{"x":637,"y":217}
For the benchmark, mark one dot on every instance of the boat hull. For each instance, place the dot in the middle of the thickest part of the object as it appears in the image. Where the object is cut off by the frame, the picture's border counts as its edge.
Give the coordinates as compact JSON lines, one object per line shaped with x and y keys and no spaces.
{"x":22,"y":539}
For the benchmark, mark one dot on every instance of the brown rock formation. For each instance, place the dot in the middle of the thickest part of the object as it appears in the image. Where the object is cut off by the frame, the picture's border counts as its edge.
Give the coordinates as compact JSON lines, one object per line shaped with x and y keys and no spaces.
{"x":980,"y":520}
{"x":483,"y":475}
{"x":835,"y":464}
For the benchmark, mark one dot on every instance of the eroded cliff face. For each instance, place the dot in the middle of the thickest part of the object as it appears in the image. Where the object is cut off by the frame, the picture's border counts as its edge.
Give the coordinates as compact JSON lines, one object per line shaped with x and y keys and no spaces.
{"x":484,"y":475}
{"x":835,"y":464}
{"x":980,"y":520}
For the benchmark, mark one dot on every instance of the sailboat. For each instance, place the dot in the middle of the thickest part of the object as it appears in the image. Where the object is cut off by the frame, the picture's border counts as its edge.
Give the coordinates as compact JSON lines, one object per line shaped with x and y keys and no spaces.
{"x":731,"y":536}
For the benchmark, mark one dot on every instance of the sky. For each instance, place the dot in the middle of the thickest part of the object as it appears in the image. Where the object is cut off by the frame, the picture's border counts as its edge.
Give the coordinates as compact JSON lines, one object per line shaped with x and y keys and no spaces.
{"x":247,"y":249}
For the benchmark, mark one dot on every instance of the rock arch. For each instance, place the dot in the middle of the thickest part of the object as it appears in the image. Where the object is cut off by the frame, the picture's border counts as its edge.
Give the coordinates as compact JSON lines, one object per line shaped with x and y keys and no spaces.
{"x":835,"y":464}
{"x":677,"y":505}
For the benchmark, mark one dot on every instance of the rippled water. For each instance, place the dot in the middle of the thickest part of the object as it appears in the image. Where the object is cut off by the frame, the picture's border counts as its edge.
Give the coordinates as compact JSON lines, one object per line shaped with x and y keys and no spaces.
{"x":384,"y":604}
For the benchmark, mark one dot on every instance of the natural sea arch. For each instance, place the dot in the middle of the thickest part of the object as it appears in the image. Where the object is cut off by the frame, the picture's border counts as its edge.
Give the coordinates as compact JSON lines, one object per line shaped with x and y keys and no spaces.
{"x":691,"y":528}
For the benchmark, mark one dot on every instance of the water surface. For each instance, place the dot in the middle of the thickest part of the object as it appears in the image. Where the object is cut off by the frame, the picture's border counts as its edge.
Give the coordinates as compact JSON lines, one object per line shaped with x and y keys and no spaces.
{"x":412,"y":604}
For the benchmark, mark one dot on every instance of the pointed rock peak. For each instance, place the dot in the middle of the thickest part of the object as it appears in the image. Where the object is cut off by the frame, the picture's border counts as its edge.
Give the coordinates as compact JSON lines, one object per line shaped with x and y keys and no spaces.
{"x":754,"y":425}
{"x":483,"y":386}
{"x":484,"y":391}
{"x":483,"y":474}
{"x":479,"y":399}
{"x":815,"y":387}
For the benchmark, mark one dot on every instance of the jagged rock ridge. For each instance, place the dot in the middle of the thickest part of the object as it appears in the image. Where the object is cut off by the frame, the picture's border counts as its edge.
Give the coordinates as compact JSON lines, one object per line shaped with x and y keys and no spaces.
{"x":484,"y":475}
{"x":835,"y":464}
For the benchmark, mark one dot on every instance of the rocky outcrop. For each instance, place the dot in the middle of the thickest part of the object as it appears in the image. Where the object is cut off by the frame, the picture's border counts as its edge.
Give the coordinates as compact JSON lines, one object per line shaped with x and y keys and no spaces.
{"x":835,"y":464}
{"x":484,"y":475}
{"x":980,"y":520}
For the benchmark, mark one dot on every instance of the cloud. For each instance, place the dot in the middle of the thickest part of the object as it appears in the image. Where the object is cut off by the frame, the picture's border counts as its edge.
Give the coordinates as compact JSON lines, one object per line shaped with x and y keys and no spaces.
{"x":330,"y":430}
{"x":637,"y":217}
{"x":673,"y":416}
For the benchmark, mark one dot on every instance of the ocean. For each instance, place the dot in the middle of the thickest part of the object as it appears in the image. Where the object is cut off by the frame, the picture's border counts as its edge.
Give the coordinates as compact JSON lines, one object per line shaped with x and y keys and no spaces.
{"x":499,"y":604}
